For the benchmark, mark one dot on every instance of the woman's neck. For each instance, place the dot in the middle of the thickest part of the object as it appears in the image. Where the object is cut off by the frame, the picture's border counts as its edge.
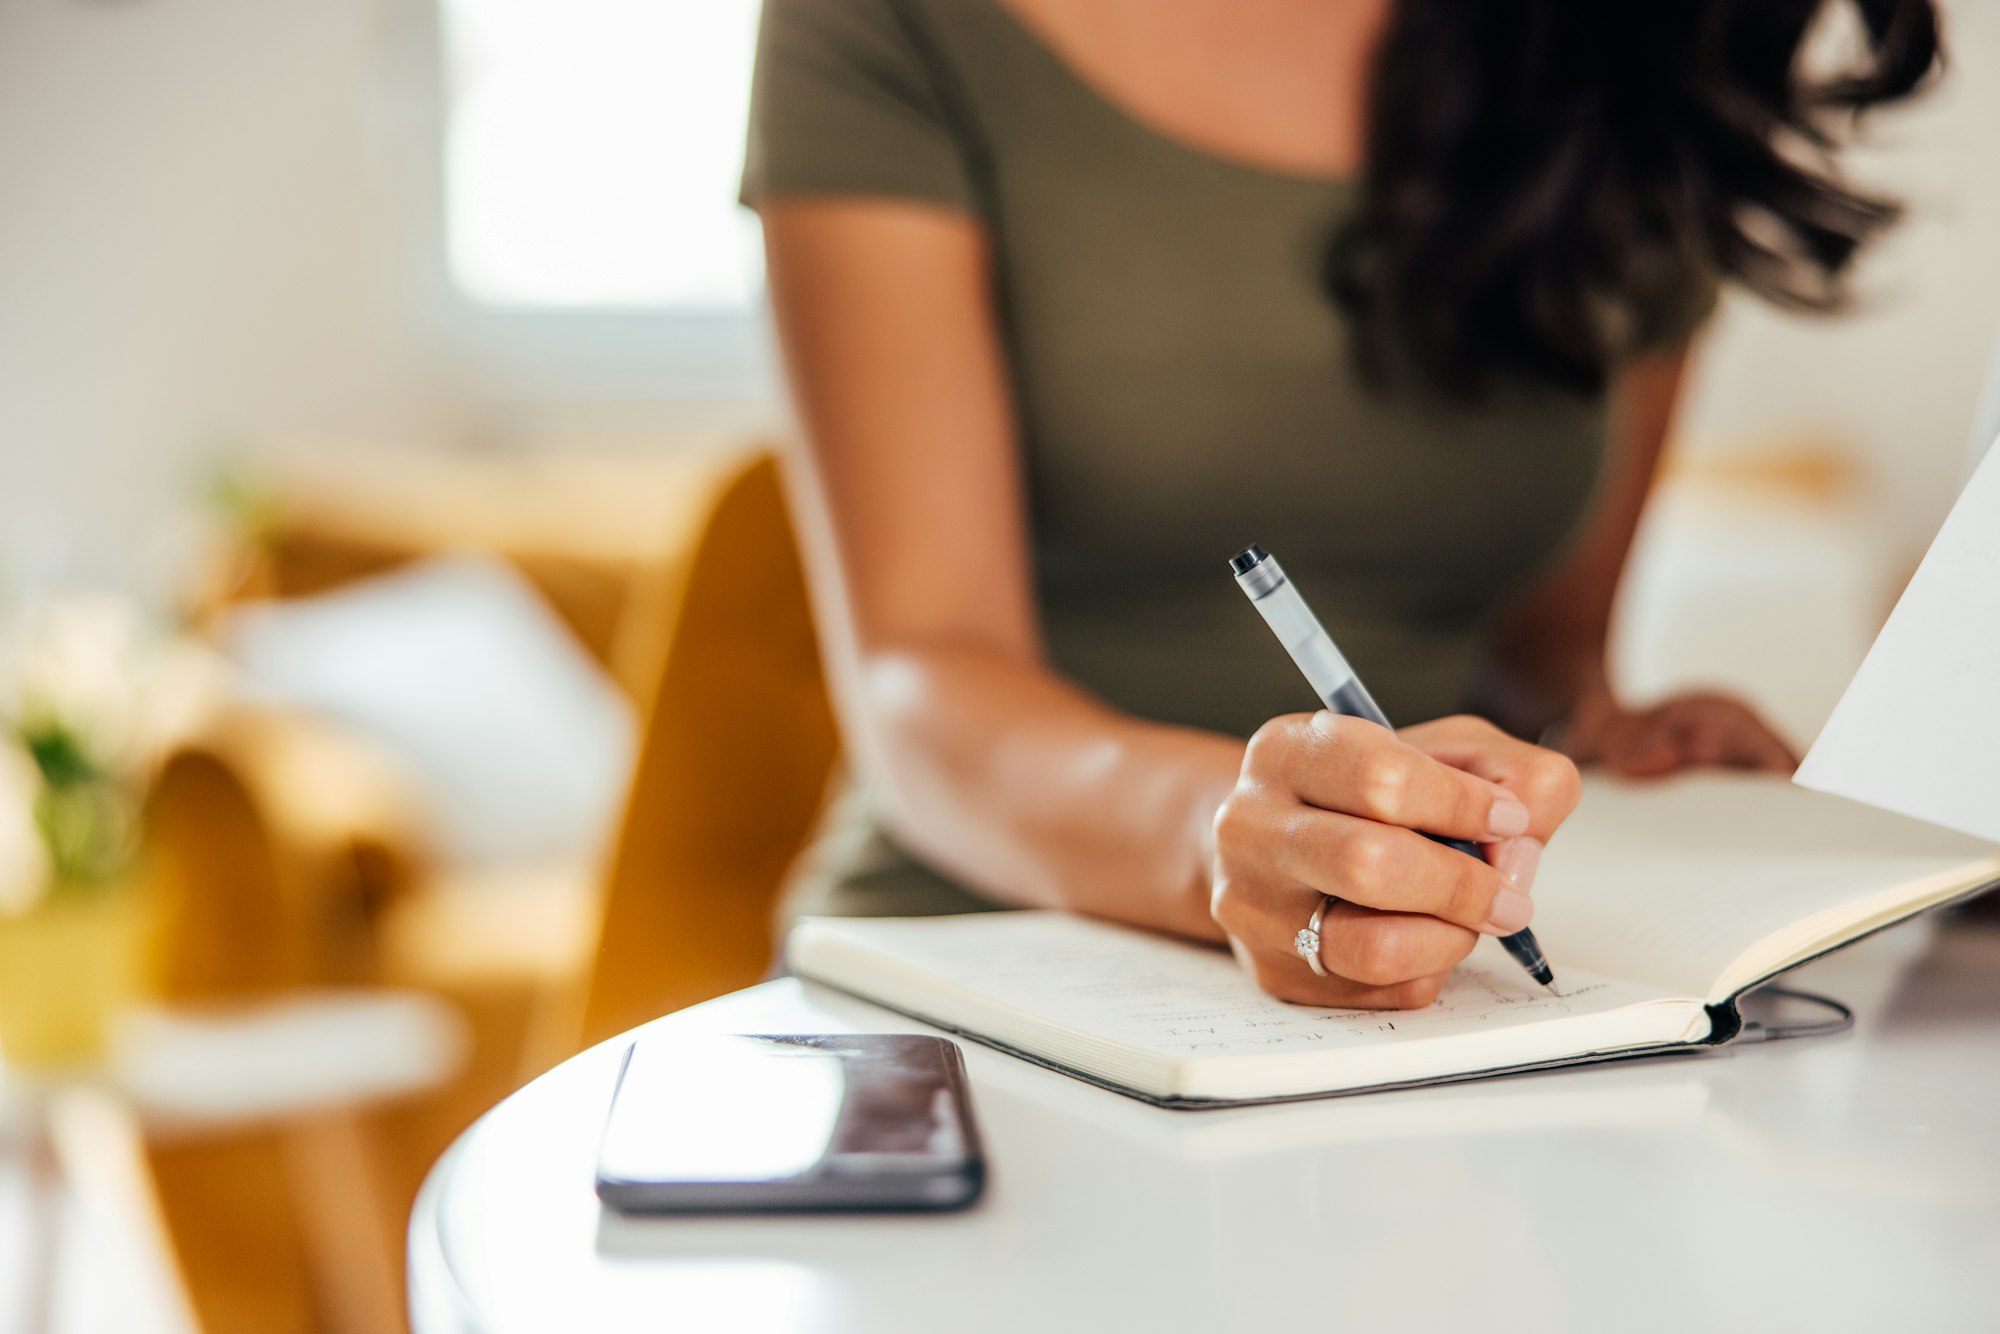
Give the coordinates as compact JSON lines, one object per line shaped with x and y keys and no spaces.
{"x":1279,"y":83}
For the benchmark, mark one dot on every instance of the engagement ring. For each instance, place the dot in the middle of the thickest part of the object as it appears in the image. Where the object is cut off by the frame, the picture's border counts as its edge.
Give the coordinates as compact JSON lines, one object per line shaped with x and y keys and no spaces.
{"x":1307,"y":941}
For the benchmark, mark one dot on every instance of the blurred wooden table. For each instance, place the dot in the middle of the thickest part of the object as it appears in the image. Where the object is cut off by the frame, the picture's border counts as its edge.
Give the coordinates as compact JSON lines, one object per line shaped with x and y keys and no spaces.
{"x":301,"y":1068}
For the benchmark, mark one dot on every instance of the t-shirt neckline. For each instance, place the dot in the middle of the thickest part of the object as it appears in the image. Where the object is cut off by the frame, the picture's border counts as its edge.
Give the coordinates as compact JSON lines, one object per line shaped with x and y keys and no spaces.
{"x":1137,"y":123}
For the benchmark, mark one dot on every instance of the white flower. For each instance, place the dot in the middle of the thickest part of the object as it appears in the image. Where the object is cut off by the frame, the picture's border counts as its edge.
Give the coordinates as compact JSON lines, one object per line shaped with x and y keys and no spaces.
{"x":70,"y":662}
{"x":24,"y":861}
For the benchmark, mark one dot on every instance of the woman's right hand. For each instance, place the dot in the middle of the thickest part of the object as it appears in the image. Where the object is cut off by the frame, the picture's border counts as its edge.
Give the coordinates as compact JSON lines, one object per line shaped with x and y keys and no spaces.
{"x":1330,"y":805}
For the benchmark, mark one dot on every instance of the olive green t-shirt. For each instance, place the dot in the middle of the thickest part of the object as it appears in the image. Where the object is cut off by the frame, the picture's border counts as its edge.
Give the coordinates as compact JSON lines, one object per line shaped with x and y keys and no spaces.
{"x":1183,"y":383}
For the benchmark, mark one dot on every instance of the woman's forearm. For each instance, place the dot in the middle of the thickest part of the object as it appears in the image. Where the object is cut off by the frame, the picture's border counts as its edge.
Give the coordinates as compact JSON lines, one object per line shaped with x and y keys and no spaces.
{"x":1550,"y":646}
{"x":1025,"y":787}
{"x":1539,"y":675}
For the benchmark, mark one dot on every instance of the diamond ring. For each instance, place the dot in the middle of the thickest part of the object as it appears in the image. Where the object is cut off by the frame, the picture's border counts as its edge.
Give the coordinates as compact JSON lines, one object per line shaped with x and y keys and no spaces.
{"x":1307,"y":941}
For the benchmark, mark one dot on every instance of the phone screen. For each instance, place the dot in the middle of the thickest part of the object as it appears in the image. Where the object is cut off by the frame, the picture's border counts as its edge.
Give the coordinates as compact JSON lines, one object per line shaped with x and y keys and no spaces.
{"x":790,"y":1122}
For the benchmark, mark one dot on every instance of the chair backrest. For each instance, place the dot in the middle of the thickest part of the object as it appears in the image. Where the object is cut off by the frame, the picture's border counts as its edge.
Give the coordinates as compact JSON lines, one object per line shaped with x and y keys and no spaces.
{"x":739,"y":744}
{"x":594,"y":535}
{"x":692,"y":597}
{"x":273,"y":837}
{"x":270,"y":841}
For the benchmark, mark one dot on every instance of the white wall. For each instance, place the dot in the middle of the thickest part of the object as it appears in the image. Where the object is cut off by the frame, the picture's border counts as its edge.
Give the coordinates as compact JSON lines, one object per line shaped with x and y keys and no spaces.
{"x":218,"y":239}
{"x":199,"y":243}
{"x":1777,"y":599}
{"x":1896,"y":383}
{"x":215,"y":230}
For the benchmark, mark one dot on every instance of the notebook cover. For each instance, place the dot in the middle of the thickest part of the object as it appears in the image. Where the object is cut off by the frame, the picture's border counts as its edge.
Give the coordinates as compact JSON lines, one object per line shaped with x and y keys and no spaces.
{"x":1200,"y":1104}
{"x":1725,"y":1026}
{"x":1726,"y":1020}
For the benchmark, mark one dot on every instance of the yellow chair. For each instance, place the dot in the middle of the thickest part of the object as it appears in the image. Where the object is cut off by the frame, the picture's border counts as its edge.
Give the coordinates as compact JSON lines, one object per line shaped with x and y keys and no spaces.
{"x":738,"y":749}
{"x":290,"y":861}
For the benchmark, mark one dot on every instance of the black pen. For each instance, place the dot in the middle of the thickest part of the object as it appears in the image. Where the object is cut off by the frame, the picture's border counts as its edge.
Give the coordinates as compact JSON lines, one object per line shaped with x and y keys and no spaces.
{"x":1312,"y":648}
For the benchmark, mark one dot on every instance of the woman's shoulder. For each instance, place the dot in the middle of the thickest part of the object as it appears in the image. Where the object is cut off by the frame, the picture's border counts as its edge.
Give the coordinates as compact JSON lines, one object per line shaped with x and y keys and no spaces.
{"x":909,"y":29}
{"x":866,"y":97}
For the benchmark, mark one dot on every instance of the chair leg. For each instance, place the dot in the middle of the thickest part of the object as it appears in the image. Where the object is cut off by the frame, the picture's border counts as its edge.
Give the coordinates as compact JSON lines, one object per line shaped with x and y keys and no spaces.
{"x":233,"y":1213}
{"x":45,"y":1222}
{"x":356,"y":1258}
{"x":100,"y":1153}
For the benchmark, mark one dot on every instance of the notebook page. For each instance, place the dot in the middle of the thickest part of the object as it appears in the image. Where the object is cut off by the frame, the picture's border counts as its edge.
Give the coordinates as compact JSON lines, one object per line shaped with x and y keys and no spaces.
{"x":1919,"y":725}
{"x":1669,"y":882}
{"x":1098,"y":993}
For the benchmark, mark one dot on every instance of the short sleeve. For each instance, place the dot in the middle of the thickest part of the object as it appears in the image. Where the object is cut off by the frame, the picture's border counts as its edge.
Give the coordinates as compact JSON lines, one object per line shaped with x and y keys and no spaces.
{"x":848,"y":100}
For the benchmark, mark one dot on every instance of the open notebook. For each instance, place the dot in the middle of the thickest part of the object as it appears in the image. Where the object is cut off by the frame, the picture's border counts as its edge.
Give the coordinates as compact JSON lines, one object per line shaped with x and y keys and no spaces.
{"x":1658,"y":905}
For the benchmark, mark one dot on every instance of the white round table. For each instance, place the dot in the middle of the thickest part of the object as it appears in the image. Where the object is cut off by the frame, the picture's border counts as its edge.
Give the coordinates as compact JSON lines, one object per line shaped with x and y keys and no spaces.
{"x":1845,"y":1183}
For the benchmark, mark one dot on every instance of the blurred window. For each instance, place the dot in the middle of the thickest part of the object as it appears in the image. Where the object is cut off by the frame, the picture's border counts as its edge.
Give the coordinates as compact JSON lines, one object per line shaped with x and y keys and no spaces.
{"x":592,"y":151}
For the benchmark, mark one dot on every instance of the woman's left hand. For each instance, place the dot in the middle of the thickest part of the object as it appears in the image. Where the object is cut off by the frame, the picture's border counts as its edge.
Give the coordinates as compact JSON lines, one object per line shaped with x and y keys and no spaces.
{"x":1682,"y":732}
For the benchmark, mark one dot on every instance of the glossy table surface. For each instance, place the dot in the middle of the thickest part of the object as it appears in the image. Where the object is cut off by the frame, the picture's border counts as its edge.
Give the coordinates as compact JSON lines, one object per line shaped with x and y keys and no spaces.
{"x":1840,"y":1183}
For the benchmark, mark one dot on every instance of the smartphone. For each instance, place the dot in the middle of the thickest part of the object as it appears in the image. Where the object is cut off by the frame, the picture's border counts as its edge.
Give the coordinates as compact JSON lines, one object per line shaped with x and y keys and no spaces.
{"x":707,"y":1123}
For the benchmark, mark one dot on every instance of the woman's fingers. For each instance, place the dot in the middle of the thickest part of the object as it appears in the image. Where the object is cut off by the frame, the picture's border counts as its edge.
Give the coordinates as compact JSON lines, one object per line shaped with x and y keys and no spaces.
{"x":1376,"y":866}
{"x":1761,"y":748}
{"x":1353,"y":766}
{"x":1543,"y":780}
{"x":1693,"y":731}
{"x":1334,"y":806}
{"x":1396,"y":870}
{"x":1727,"y":732}
{"x":1300,"y":987}
{"x":1641,"y":746}
{"x":1287,"y":977}
{"x":1387,"y":948}
{"x":1359,"y":944}
{"x":1685,"y":732}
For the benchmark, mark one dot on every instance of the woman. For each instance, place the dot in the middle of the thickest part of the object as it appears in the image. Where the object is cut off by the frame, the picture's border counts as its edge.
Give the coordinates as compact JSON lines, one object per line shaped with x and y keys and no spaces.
{"x":1079,"y":297}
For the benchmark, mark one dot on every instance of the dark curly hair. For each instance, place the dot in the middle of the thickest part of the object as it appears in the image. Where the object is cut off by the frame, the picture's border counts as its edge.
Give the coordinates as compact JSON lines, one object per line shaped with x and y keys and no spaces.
{"x":1546,"y":176}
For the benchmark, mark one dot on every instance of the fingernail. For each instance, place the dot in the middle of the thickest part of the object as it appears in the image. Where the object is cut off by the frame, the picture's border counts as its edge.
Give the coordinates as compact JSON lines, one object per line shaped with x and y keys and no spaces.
{"x":1511,"y":911}
{"x":1518,"y":861}
{"x":1508,"y":819}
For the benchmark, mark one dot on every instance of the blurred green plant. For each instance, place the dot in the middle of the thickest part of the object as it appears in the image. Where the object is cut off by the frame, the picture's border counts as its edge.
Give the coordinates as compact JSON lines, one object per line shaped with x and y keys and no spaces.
{"x":88,"y":704}
{"x":241,"y":500}
{"x":87,"y":818}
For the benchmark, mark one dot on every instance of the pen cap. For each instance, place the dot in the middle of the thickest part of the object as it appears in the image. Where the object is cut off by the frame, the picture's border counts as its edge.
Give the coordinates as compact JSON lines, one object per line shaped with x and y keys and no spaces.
{"x":1256,"y":573}
{"x":1292,"y":621}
